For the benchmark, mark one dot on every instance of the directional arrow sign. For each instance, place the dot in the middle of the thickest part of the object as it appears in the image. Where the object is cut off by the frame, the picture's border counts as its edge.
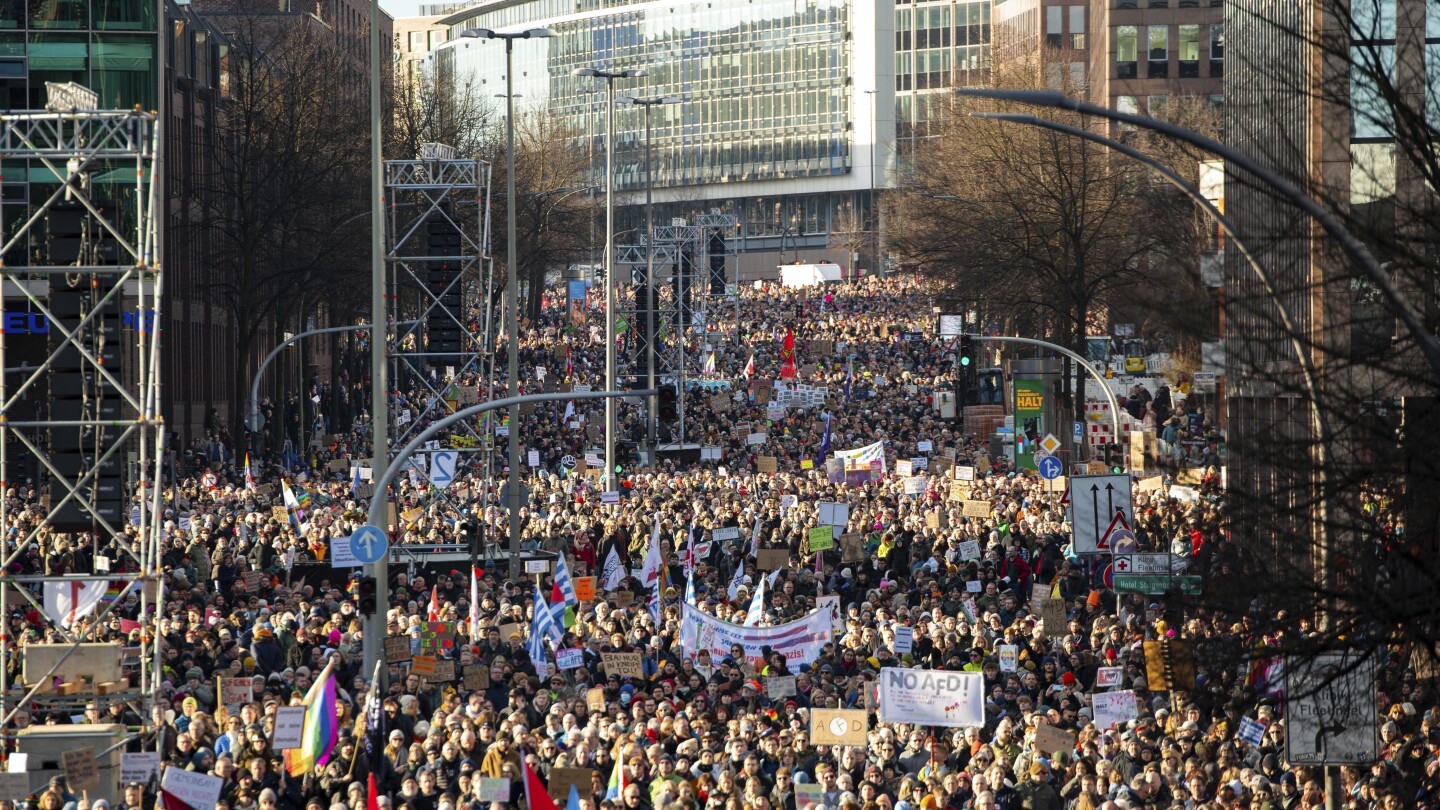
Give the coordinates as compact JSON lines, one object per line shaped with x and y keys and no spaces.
{"x":369,"y":544}
{"x":1095,"y":501}
{"x":1050,"y":467}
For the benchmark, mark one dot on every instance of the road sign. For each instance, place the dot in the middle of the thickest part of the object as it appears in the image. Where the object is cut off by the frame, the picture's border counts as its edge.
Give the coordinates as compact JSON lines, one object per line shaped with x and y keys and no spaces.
{"x":1050,"y":444}
{"x":1050,"y":467}
{"x":1330,"y":709}
{"x":1095,"y":500}
{"x":1122,"y":541}
{"x":369,"y":544}
{"x":1142,"y":564}
{"x":442,"y":468}
{"x":209,"y":480}
{"x":1203,"y":382}
{"x":1156,"y":583}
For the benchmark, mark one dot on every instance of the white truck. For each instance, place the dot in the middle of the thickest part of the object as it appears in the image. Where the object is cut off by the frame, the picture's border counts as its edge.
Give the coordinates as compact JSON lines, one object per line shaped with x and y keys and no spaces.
{"x":810,"y":275}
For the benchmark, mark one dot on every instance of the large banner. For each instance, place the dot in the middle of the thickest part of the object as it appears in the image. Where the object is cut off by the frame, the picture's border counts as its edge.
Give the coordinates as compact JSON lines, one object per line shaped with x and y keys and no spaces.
{"x":799,"y":641}
{"x":931,"y":697}
{"x":861,"y":458}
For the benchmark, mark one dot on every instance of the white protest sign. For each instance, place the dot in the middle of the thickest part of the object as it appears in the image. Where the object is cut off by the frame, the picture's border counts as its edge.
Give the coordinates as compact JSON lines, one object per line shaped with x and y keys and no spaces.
{"x":904,"y":640}
{"x":139,"y":767}
{"x":1009,"y":657}
{"x":1113,"y":708}
{"x":569,"y":658}
{"x":915,"y":485}
{"x":192,"y":788}
{"x":932,"y":697}
{"x":833,"y":514}
{"x":902,"y":468}
{"x":342,"y":553}
{"x":925,"y":446}
{"x":755,"y":438}
{"x":534,"y":458}
{"x":969,"y":550}
{"x":289,"y":727}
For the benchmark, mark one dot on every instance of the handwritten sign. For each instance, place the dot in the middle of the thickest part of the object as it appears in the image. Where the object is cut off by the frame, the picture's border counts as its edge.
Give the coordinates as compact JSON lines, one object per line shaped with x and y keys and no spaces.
{"x":585,"y":588}
{"x":969,"y":550}
{"x":494,"y":790}
{"x":977,"y":509}
{"x":626,"y":665}
{"x":769,"y":559}
{"x":852,"y":547}
{"x":477,"y":678}
{"x":1052,"y":740}
{"x":444,"y":671}
{"x":397,"y":649}
{"x":289,"y":727}
{"x":422,"y":665}
{"x":81,"y":770}
{"x":236,"y":692}
{"x":570,"y":658}
{"x":821,"y":538}
{"x":1009,"y":657}
{"x":780,"y":686}
{"x":192,"y":788}
{"x":1052,"y":616}
{"x":562,"y":779}
{"x":766,"y":464}
{"x":139,"y":767}
{"x":1108,"y":676}
{"x":904,"y":640}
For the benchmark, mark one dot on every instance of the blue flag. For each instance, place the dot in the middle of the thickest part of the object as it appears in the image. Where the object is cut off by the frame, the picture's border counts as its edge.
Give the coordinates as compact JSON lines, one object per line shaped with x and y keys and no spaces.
{"x":825,"y":444}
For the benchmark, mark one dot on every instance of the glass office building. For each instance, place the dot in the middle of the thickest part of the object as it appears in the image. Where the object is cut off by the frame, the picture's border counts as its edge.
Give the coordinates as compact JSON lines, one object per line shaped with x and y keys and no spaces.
{"x":789,"y":119}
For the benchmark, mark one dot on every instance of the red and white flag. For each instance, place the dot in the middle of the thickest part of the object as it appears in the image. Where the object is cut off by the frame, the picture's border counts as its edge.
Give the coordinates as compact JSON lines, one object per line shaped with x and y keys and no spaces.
{"x":750,"y":367}
{"x":69,"y":602}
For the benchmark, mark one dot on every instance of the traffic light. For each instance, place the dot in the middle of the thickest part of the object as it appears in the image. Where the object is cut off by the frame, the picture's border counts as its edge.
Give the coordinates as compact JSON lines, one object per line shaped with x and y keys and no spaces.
{"x":1115,"y":457}
{"x":668,"y":408}
{"x":367,"y":598}
{"x":967,"y":352}
{"x":443,"y":243}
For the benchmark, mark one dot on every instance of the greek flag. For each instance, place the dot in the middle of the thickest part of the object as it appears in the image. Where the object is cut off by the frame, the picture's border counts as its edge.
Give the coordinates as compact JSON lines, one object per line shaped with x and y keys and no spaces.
{"x":564,"y":582}
{"x":757,"y":605}
{"x":542,"y":625}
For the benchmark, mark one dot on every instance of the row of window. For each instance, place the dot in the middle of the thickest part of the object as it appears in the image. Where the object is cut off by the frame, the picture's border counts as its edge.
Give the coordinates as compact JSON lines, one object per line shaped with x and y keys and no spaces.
{"x":1158,"y":52}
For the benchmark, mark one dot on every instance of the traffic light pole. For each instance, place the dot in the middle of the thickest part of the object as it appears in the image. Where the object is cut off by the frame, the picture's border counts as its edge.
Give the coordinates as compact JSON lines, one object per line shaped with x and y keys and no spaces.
{"x":1085,"y":364}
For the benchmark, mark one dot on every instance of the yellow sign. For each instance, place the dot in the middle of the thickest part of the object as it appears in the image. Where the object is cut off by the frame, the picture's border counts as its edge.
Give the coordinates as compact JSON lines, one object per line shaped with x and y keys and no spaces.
{"x":1029,"y":400}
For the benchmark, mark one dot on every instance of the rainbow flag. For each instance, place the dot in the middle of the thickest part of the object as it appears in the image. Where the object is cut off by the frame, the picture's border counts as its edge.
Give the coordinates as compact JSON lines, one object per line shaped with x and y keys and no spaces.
{"x":114,"y":591}
{"x":322,"y":726}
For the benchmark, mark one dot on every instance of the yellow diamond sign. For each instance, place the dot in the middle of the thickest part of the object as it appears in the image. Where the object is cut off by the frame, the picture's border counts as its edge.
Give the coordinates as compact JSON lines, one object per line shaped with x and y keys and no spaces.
{"x":1050,"y":444}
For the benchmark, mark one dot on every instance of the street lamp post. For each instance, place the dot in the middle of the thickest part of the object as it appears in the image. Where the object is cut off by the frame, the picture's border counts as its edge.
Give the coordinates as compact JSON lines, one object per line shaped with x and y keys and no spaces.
{"x":650,"y":417}
{"x":512,"y":300}
{"x":609,"y":261}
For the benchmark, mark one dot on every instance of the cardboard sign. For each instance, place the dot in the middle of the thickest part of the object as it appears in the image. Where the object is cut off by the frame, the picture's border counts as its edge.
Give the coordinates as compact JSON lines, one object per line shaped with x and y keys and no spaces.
{"x":562,"y":779}
{"x":139,"y":767}
{"x":494,"y":790}
{"x":755,"y":438}
{"x":422,"y":665}
{"x":1052,"y":740}
{"x":977,"y":509}
{"x":511,"y":629}
{"x":82,"y":772}
{"x":767,"y":464}
{"x":397,"y":649}
{"x":769,"y":559}
{"x":626,"y":665}
{"x":15,"y":787}
{"x":839,"y":727}
{"x":779,"y":687}
{"x":623,"y":598}
{"x":852,"y":547}
{"x":1052,"y":616}
{"x":444,"y":671}
{"x":969,"y":550}
{"x":477,"y":678}
{"x":280,"y":514}
{"x":289,"y":727}
{"x":595,"y":699}
{"x":584,"y":588}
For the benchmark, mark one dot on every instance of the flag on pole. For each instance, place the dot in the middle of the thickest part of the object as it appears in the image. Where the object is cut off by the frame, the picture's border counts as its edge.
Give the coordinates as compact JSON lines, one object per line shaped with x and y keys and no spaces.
{"x":542,"y":624}
{"x":374,"y":728}
{"x":824,"y":444}
{"x":474,"y":605}
{"x":755,"y":537}
{"x":292,"y":506}
{"x":750,"y":367}
{"x":249,"y":479}
{"x":650,"y":569}
{"x":737,"y":581}
{"x":68,"y":602}
{"x":787,"y":356}
{"x":573,"y":802}
{"x":321,"y":730}
{"x":849,"y":377}
{"x":434,"y":612}
{"x":535,"y":796}
{"x":690,"y":550}
{"x":564,"y":583}
{"x":355,"y":481}
{"x":616,"y":787}
{"x":613,"y":572}
{"x":757,"y":605}
{"x":709,"y":367}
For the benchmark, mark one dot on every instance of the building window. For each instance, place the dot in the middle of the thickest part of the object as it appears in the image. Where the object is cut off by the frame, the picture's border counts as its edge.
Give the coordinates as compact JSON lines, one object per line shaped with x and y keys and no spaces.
{"x":1077,"y":27}
{"x":1189,"y":51}
{"x":1374,"y":19}
{"x":1372,"y":68}
{"x":1126,"y":4}
{"x":1158,"y":54}
{"x":1127,"y":104}
{"x":1054,"y":19}
{"x":1127,"y":43}
{"x":1217,"y":50}
{"x":1159,"y":3}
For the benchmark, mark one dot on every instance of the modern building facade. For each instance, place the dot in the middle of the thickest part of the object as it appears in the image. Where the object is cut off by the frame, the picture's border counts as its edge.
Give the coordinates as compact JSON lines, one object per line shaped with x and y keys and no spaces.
{"x":1183,"y":42}
{"x":791,"y":113}
{"x":415,"y":38}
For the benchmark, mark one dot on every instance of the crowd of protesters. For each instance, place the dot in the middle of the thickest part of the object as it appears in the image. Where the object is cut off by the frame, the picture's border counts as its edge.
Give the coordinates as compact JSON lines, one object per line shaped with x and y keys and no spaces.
{"x":703,"y":732}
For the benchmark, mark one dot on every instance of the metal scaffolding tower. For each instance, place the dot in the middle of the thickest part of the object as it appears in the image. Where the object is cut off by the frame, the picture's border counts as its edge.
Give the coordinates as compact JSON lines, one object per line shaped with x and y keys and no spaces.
{"x":686,"y":304}
{"x":437,"y":243}
{"x":85,"y":260}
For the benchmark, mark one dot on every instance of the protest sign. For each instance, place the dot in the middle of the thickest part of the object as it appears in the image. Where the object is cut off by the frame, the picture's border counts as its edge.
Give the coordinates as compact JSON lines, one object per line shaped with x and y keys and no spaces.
{"x":904,"y":640}
{"x":780,"y":686}
{"x":809,"y":796}
{"x":821,"y":539}
{"x":969,"y":550}
{"x":977,"y":509}
{"x":595,"y":699}
{"x":494,"y":790}
{"x":234,"y":692}
{"x":569,"y":658}
{"x":562,"y":779}
{"x":422,"y":666}
{"x":139,"y":767}
{"x":839,"y":727}
{"x":1052,"y":739}
{"x":15,"y":787}
{"x":193,"y":788}
{"x":81,"y":770}
{"x":477,"y":678}
{"x":444,"y":671}
{"x":289,"y":727}
{"x":799,"y":641}
{"x":1052,"y":616}
{"x":1108,"y":676}
{"x":1009,"y":657}
{"x":932,"y":697}
{"x":1113,"y":708}
{"x":852,"y":547}
{"x":626,"y":665}
{"x":767,"y":464}
{"x":769,"y":559}
{"x":585,"y":589}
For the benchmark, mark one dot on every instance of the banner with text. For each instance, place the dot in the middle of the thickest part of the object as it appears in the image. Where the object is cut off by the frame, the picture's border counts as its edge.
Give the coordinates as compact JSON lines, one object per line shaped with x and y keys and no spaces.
{"x":930,"y":697}
{"x":799,"y":641}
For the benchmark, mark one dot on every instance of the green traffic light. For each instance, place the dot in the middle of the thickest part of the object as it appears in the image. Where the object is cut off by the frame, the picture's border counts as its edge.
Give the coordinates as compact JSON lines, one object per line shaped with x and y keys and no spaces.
{"x":1117,"y":469}
{"x":964,"y":361}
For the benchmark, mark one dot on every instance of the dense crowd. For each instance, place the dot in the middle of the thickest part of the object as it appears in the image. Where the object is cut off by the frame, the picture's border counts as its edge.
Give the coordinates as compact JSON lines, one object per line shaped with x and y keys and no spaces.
{"x":250,"y":594}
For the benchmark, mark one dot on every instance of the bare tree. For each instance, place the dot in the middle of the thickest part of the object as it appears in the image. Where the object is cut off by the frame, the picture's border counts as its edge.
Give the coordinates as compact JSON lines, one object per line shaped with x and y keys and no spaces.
{"x":285,"y":202}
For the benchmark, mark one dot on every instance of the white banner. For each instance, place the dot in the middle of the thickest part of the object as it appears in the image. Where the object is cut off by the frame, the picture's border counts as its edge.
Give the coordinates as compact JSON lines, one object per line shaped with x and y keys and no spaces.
{"x":194,"y":789}
{"x":1114,"y":708}
{"x":799,"y":641}
{"x":69,"y":602}
{"x":931,"y":697}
